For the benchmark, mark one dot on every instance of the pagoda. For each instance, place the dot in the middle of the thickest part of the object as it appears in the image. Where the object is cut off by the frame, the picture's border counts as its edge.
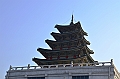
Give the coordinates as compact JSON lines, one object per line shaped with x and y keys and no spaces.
{"x":68,"y":58}
{"x":69,"y":46}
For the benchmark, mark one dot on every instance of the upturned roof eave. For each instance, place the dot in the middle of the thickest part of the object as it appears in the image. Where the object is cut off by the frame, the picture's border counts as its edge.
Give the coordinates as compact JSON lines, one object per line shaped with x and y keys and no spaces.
{"x":60,"y":27}
{"x":56,"y":61}
{"x":66,"y":33}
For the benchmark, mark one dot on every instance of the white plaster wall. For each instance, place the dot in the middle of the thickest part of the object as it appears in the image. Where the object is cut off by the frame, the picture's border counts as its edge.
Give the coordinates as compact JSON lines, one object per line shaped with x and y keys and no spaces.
{"x":21,"y":78}
{"x":16,"y":78}
{"x":98,"y":77}
{"x":55,"y":78}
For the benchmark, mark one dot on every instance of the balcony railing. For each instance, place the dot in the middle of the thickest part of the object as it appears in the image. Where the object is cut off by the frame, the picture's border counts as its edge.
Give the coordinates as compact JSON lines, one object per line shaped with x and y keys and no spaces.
{"x":62,"y":65}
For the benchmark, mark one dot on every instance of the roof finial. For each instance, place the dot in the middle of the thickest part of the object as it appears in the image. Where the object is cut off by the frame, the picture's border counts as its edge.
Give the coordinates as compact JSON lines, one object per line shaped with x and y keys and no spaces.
{"x":72,"y":20}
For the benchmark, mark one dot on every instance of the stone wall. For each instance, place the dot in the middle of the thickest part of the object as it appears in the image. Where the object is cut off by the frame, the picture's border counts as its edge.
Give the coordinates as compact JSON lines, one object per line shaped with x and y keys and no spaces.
{"x":94,"y":72}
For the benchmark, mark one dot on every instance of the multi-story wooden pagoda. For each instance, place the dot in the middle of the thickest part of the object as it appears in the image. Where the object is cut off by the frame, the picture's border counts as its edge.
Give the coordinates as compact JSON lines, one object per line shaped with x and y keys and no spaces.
{"x":68,"y":58}
{"x":70,"y":46}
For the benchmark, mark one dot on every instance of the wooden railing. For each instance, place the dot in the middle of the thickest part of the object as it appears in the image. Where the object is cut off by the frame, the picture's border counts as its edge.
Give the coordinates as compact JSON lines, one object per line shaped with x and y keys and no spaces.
{"x":62,"y":65}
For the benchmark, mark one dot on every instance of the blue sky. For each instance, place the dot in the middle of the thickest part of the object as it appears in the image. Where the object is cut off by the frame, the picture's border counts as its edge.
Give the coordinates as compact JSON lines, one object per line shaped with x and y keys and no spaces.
{"x":25,"y":24}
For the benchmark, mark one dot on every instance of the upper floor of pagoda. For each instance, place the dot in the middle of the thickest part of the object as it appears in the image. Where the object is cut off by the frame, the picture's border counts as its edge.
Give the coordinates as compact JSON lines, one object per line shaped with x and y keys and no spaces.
{"x":67,"y":44}
{"x":68,"y":35}
{"x":69,"y":28}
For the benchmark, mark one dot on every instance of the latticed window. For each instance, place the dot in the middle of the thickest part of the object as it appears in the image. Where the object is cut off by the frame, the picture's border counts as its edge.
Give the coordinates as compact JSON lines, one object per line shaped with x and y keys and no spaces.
{"x":36,"y":78}
{"x":80,"y":77}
